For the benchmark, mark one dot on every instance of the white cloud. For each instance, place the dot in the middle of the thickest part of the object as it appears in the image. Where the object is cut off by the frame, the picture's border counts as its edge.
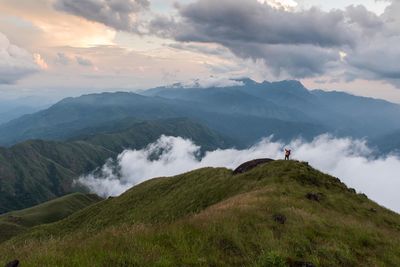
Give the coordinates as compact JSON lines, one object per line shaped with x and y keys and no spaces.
{"x":211,"y":82}
{"x":15,"y":62}
{"x":39,"y":60}
{"x":350,"y":160}
{"x":283,"y":4}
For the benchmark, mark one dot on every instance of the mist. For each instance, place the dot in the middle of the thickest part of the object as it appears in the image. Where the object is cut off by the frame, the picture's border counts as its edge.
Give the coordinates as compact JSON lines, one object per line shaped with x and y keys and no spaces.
{"x":350,"y":160}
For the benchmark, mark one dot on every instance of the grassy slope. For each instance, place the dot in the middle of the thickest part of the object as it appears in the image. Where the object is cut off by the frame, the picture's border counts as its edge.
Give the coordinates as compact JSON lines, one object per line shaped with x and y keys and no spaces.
{"x":16,"y":222}
{"x":209,"y":217}
{"x":36,"y":171}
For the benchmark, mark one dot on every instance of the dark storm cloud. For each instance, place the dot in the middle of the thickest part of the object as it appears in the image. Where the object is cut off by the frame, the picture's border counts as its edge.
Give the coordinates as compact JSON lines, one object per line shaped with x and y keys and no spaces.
{"x":377,"y":54}
{"x":297,"y":61}
{"x":118,"y":14}
{"x":250,"y":21}
{"x":297,"y":44}
{"x":300,"y":44}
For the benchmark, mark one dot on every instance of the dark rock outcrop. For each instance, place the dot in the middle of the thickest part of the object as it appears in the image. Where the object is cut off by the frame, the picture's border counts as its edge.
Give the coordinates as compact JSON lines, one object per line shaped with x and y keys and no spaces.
{"x":247,"y":166}
{"x":14,"y":263}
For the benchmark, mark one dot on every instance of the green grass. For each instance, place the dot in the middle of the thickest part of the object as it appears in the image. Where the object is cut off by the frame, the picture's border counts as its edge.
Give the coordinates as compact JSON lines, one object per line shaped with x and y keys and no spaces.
{"x":36,"y":171}
{"x":209,"y":217}
{"x":14,"y":223}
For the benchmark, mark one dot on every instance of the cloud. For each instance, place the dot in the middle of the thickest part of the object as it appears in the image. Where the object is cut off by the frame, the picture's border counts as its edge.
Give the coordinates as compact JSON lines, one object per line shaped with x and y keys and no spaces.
{"x":210,"y":82}
{"x":83,"y":61}
{"x":62,"y":59}
{"x":375,"y":57}
{"x":36,"y":25}
{"x":39,"y":60}
{"x":119,"y":14}
{"x":294,"y":43}
{"x":350,"y":160}
{"x":251,"y":21}
{"x":15,"y":62}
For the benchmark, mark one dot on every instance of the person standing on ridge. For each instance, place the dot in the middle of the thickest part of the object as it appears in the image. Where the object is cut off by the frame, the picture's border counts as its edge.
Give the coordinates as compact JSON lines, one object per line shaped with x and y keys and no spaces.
{"x":287,"y":154}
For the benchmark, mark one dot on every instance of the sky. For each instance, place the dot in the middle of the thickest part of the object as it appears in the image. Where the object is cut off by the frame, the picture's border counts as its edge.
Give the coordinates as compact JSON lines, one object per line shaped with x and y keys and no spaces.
{"x":59,"y":48}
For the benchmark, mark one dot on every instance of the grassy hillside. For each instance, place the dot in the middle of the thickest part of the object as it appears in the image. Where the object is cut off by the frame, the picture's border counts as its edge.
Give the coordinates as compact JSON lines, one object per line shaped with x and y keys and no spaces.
{"x":36,"y":171}
{"x":16,"y":222}
{"x":278,"y":214}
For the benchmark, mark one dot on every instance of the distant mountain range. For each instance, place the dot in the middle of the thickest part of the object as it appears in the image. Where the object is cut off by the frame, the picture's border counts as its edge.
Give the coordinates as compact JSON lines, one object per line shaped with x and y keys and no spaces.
{"x":35,"y":171}
{"x":14,"y":108}
{"x":243,"y":113}
{"x":338,"y":113}
{"x":388,"y":143}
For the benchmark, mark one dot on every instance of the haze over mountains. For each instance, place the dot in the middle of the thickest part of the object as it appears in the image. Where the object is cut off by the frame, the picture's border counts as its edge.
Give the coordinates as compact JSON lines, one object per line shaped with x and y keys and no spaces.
{"x":242,"y":113}
{"x":14,"y":108}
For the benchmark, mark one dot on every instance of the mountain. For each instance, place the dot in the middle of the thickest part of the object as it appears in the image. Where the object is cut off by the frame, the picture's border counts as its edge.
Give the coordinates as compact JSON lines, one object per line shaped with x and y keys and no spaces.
{"x":277,"y":214}
{"x":245,"y":114}
{"x":14,"y":108}
{"x":62,"y":120}
{"x":35,"y":171}
{"x":387,"y":143}
{"x":228,"y":112}
{"x":339,"y":113}
{"x":75,"y":115}
{"x":17,"y":222}
{"x":366,"y":117}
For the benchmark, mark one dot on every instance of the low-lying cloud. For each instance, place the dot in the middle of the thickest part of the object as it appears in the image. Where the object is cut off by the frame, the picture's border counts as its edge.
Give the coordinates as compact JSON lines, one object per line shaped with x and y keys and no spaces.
{"x":350,"y":160}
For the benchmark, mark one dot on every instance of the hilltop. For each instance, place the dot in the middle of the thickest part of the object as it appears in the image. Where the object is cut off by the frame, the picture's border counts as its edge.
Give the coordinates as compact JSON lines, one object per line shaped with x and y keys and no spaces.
{"x":281,"y":213}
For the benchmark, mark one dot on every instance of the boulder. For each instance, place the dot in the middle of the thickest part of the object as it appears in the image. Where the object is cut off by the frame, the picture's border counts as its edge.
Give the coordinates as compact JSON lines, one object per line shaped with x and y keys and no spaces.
{"x":247,"y":166}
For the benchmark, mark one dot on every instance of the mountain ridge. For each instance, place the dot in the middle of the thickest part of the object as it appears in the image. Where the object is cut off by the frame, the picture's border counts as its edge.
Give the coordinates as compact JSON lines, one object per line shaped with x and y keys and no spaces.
{"x":285,"y":109}
{"x":35,"y":171}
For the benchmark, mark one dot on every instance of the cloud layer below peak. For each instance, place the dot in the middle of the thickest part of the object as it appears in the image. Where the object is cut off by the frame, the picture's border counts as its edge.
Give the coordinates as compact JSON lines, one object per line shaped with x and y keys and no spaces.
{"x":348,"y":159}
